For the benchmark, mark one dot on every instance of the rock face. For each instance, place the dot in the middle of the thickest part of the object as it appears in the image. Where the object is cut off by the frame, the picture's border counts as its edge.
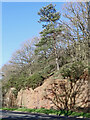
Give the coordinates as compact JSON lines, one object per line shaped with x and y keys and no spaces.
{"x":10,"y":100}
{"x":30,"y":98}
{"x":35,"y":98}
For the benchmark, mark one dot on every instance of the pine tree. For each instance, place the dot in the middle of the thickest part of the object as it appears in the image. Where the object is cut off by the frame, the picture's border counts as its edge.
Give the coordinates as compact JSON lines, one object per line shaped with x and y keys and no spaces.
{"x":51,"y":28}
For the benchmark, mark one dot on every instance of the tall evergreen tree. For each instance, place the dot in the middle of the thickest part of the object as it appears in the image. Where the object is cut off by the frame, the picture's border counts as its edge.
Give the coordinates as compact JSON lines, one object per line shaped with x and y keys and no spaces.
{"x":51,"y":28}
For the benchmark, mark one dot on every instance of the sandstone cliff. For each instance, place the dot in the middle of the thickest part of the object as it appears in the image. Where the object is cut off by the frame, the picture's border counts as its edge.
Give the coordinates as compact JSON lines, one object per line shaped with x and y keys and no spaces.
{"x":30,"y":98}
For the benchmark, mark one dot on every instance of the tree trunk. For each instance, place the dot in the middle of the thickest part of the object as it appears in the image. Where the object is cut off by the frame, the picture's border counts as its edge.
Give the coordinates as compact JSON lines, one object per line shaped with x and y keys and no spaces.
{"x":57,"y":63}
{"x":55,"y":50}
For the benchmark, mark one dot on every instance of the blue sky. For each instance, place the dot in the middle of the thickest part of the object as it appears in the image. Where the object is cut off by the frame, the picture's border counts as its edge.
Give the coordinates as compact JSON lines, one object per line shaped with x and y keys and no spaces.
{"x":19,"y":23}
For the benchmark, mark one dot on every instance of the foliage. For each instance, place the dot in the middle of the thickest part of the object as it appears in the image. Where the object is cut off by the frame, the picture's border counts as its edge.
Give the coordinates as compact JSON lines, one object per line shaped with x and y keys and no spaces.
{"x":62,"y":43}
{"x":35,"y":80}
{"x":73,"y":71}
{"x":48,"y":71}
{"x":22,"y":80}
{"x":51,"y":28}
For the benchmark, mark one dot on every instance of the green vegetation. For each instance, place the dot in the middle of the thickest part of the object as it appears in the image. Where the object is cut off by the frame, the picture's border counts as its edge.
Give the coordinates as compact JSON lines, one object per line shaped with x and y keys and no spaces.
{"x":50,"y":111}
{"x":61,"y":49}
{"x":48,"y":43}
{"x":73,"y":71}
{"x":34,"y":81}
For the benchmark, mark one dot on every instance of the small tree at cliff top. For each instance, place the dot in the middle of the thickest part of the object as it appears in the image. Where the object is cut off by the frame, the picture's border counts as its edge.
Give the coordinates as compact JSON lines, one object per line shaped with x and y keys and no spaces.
{"x":51,"y":29}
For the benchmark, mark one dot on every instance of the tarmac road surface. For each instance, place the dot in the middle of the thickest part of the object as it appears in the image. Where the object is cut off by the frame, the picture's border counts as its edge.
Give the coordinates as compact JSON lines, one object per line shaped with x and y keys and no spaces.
{"x":12,"y":115}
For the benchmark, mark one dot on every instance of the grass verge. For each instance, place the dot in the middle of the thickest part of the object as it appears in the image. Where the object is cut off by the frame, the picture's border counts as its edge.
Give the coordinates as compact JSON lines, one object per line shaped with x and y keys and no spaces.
{"x":50,"y":111}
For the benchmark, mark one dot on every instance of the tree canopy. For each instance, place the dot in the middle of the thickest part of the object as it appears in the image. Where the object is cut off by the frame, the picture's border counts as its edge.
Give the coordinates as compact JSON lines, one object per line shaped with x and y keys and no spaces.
{"x":62,"y":42}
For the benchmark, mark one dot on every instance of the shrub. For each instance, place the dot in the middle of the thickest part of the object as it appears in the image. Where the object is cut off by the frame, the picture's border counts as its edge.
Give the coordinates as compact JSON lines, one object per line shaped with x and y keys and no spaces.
{"x":87,"y":115}
{"x":48,"y":71}
{"x":35,"y":80}
{"x":73,"y":71}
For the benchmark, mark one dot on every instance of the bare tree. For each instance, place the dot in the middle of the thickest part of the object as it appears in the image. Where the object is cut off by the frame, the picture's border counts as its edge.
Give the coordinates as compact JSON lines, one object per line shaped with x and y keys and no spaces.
{"x":24,"y":57}
{"x":75,"y":24}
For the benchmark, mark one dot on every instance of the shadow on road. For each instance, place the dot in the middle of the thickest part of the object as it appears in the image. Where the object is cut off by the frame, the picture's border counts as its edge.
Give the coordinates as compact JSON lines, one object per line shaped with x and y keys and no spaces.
{"x":7,"y":115}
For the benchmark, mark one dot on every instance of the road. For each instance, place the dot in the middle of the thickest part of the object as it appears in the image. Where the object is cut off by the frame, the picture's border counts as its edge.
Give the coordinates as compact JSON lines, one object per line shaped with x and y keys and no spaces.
{"x":8,"y":115}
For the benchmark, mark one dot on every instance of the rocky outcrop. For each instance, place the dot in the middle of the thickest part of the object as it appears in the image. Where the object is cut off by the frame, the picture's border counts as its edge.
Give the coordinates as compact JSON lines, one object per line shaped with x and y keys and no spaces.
{"x":35,"y":98}
{"x":30,"y":98}
{"x":10,"y":99}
